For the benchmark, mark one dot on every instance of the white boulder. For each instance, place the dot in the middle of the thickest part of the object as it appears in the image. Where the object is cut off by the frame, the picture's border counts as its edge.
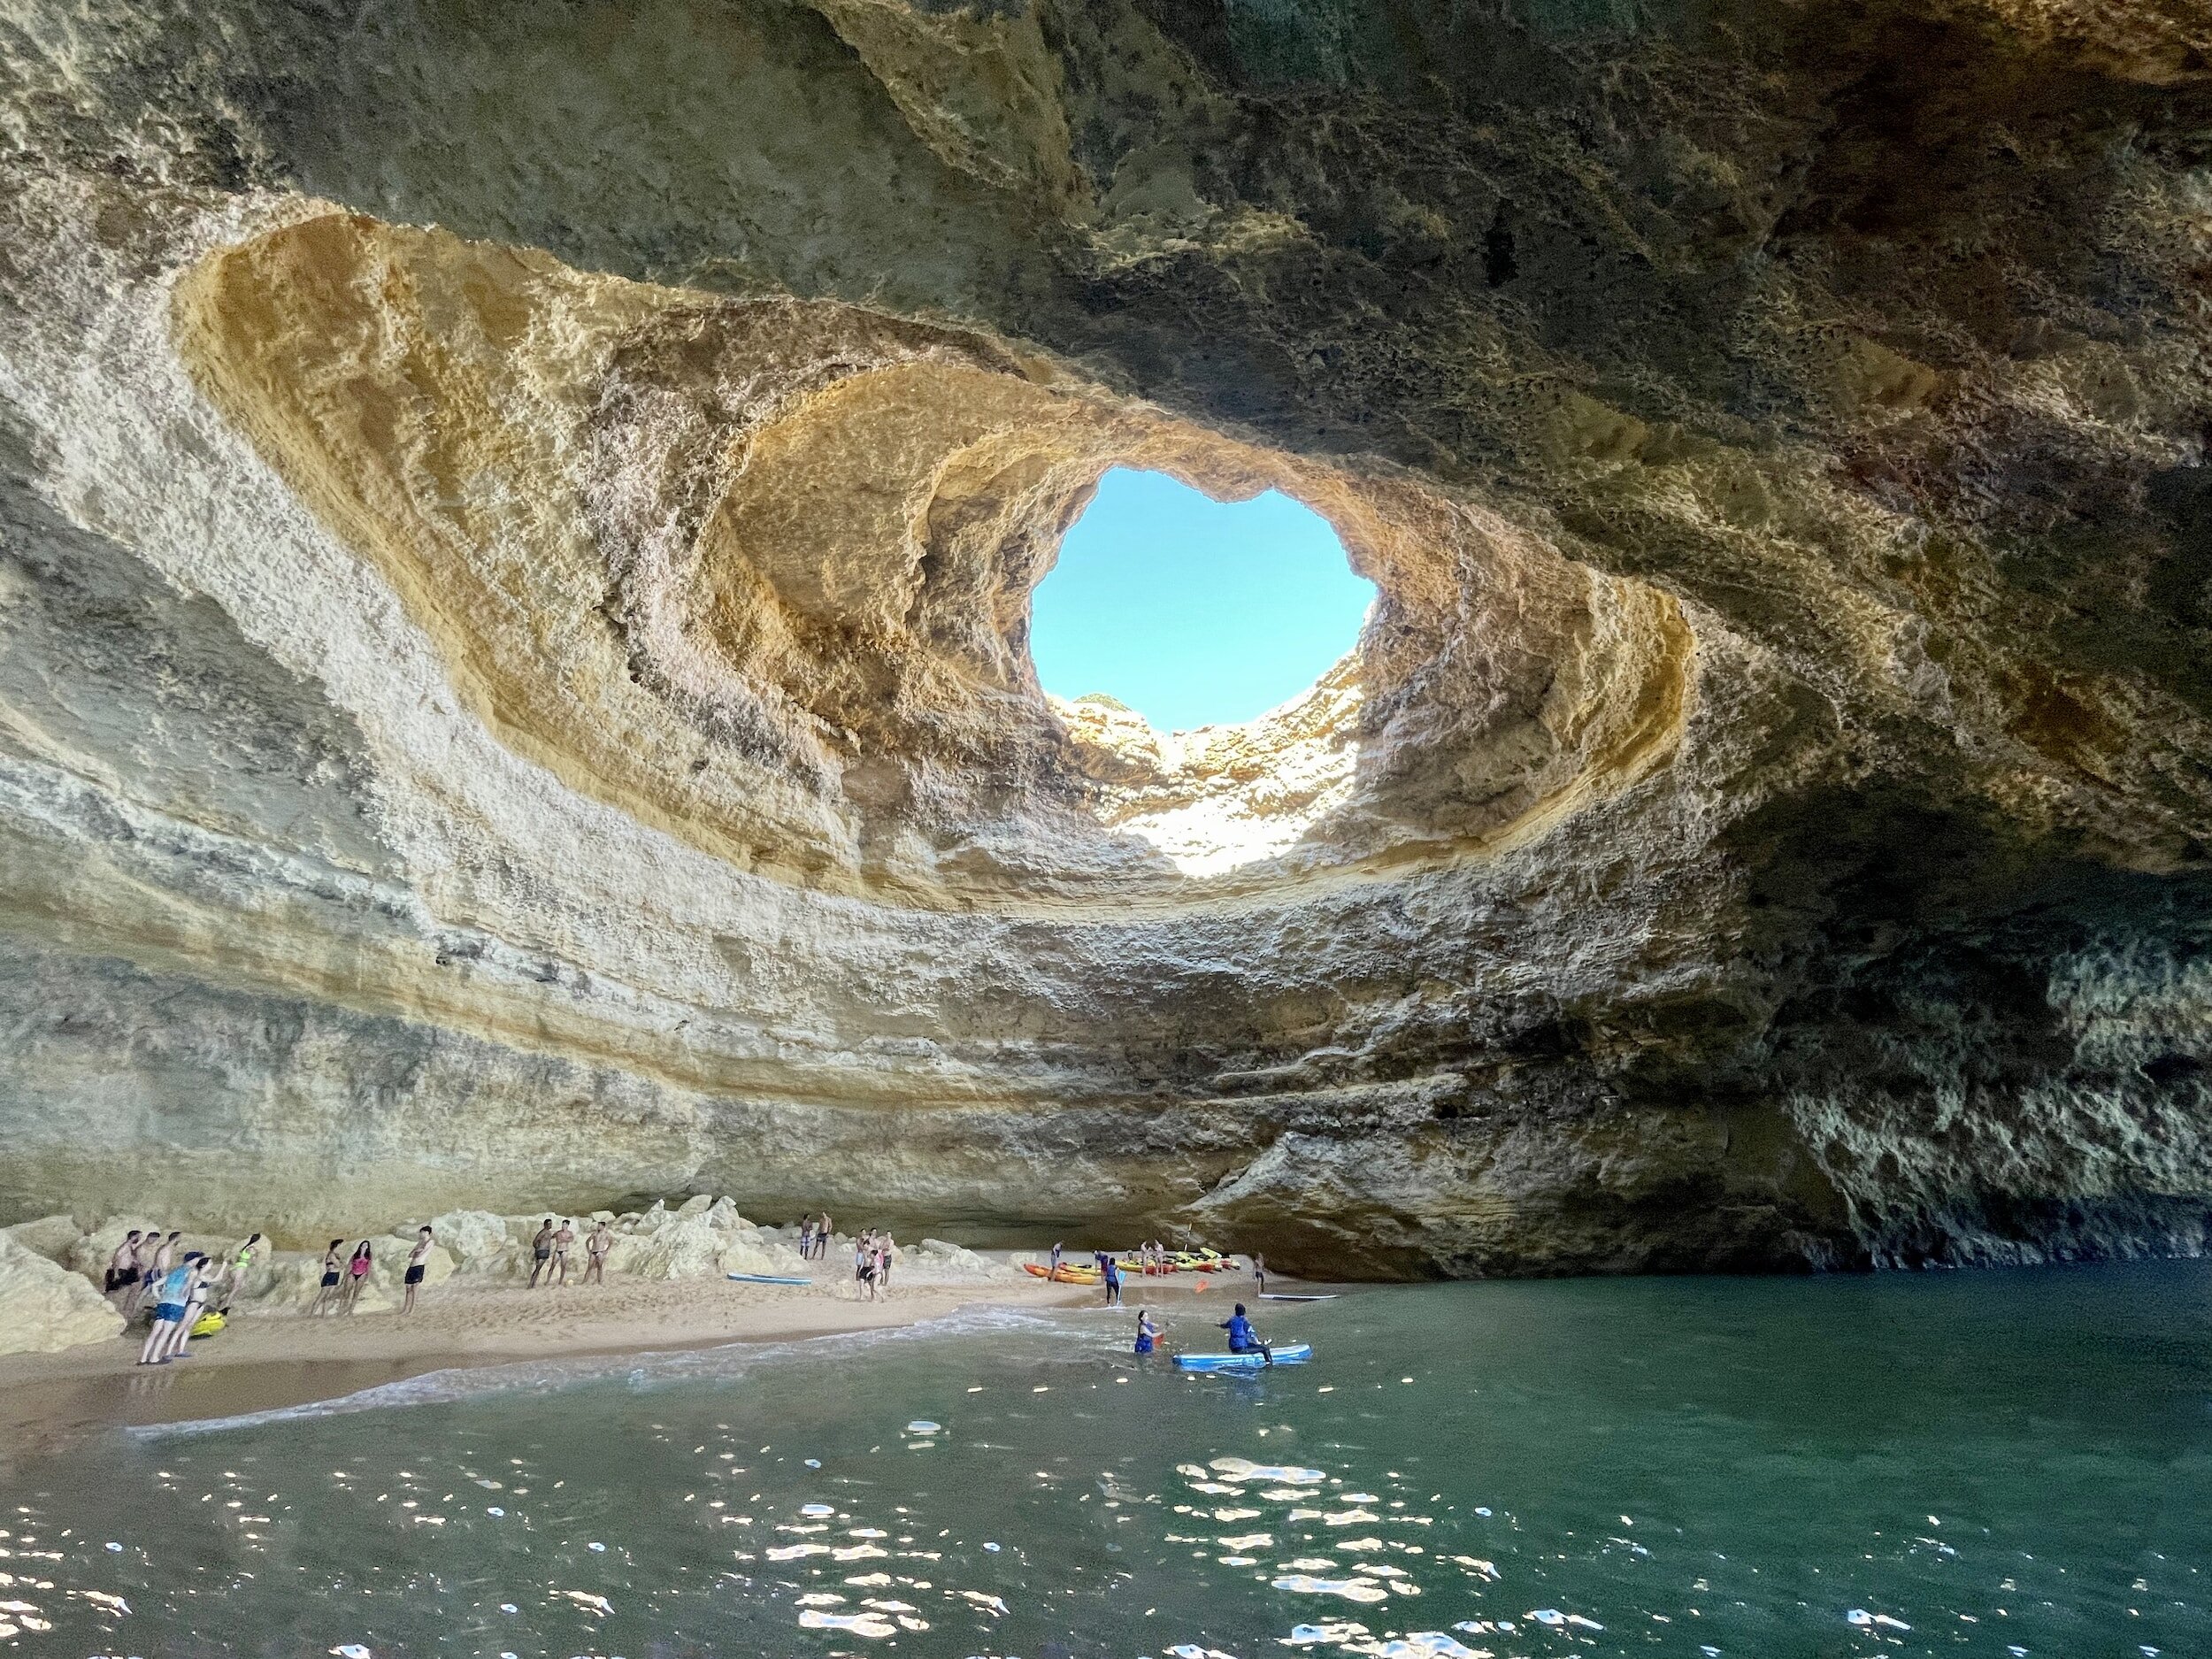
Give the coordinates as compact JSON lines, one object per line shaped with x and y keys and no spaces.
{"x":45,"y":1307}
{"x":53,"y":1237}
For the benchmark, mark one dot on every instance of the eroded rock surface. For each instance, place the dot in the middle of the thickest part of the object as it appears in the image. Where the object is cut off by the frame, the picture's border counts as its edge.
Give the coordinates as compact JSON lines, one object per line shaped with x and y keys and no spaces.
{"x":516,"y":531}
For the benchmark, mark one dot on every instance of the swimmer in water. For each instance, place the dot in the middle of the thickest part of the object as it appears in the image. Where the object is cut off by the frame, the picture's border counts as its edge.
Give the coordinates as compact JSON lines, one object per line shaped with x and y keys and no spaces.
{"x":1148,"y":1333}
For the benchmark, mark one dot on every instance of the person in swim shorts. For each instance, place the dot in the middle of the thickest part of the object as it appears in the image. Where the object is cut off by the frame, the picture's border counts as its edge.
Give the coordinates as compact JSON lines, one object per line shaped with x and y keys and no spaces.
{"x":157,"y":1258}
{"x":541,"y":1252}
{"x":1259,"y":1274}
{"x":418,"y":1259}
{"x":334,"y":1269}
{"x":597,"y":1242}
{"x":123,"y":1265}
{"x":169,"y":1298}
{"x":205,"y":1275}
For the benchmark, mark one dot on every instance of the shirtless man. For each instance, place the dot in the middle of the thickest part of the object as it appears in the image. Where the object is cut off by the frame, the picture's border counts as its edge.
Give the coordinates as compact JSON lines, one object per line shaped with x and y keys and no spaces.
{"x":541,"y":1251}
{"x":822,"y":1231}
{"x":417,"y":1260}
{"x":123,"y":1265}
{"x":597,"y":1242}
{"x":562,"y":1240}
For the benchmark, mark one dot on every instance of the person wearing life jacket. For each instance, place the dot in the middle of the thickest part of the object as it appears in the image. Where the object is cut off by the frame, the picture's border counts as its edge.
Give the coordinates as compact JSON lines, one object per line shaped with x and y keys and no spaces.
{"x":1148,"y":1333}
{"x":1242,"y":1338}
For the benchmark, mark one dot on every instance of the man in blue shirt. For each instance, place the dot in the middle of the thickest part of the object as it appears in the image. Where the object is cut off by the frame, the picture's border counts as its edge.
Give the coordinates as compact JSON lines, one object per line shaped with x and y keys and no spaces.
{"x":1243,"y":1339}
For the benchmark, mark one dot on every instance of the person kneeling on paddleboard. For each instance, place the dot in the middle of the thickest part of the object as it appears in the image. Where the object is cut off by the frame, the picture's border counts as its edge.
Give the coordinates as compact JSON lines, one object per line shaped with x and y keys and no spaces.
{"x":1242,"y":1338}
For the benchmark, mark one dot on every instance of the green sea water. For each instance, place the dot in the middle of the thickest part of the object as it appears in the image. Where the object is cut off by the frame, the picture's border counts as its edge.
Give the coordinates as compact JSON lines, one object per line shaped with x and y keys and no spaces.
{"x":1994,"y":1463}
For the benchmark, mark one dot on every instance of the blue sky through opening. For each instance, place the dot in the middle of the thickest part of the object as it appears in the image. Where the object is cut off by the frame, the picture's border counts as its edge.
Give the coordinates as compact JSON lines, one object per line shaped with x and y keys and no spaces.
{"x":1193,"y":612}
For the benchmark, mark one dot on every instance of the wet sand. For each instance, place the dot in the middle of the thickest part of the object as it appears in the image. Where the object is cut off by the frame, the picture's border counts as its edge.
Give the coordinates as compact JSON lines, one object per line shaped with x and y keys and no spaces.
{"x":272,"y":1359}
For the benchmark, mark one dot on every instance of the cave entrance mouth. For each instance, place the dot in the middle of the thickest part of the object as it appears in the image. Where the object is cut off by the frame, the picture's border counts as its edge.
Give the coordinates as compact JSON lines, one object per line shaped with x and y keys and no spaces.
{"x":1191,"y":612}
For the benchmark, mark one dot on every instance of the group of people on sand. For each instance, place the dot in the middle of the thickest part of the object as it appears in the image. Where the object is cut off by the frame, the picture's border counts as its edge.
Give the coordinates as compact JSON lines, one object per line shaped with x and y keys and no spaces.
{"x":146,"y":1266}
{"x":814,"y":1236}
{"x":147,"y":1256}
{"x":550,"y":1245}
{"x":872,"y":1253}
{"x":343,"y":1275}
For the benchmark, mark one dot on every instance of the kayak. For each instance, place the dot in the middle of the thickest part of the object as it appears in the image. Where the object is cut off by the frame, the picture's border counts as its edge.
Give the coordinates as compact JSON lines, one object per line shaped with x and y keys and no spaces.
{"x":1286,"y":1353}
{"x":1067,"y":1275}
{"x":209,"y":1322}
{"x":1181,"y":1262}
{"x":766,"y":1278}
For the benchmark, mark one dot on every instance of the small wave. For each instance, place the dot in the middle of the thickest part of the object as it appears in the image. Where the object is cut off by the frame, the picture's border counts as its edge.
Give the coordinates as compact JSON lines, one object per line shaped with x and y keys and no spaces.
{"x":463,"y":1383}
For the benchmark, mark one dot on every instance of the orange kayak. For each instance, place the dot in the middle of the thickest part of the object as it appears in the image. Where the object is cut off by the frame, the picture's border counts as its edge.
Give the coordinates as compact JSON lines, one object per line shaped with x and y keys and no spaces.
{"x":1067,"y":1275}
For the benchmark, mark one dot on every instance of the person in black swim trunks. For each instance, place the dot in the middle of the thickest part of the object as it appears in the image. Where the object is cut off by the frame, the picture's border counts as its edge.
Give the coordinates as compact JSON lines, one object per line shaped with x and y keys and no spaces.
{"x":418,"y":1259}
{"x":540,"y":1251}
{"x":123,"y":1265}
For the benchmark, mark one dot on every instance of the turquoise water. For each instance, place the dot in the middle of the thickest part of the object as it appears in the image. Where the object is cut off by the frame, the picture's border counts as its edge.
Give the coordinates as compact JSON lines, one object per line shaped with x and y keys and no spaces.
{"x":1993,"y":1463}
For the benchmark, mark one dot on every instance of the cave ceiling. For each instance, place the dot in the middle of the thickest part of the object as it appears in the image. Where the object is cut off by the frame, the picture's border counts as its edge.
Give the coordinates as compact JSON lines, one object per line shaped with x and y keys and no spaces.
{"x":516,"y":533}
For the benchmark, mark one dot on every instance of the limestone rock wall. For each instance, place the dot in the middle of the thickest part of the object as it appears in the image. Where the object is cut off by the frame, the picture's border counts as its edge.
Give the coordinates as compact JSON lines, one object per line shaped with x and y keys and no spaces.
{"x":516,"y":530}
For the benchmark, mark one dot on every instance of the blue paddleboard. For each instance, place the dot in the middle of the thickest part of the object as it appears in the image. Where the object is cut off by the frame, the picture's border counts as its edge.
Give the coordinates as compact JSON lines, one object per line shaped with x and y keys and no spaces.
{"x":1288,"y":1354}
{"x":766,"y":1278}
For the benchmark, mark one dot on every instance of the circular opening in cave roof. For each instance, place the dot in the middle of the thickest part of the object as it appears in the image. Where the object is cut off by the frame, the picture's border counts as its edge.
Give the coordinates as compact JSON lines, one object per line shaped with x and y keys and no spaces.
{"x":1191,"y":612}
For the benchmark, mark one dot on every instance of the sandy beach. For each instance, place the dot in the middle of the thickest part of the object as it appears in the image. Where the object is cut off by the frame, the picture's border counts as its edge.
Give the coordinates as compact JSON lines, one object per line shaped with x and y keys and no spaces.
{"x":273,"y":1358}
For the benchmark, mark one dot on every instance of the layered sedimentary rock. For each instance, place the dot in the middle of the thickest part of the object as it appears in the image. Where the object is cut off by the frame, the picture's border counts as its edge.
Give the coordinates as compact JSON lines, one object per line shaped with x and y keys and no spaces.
{"x":516,"y":534}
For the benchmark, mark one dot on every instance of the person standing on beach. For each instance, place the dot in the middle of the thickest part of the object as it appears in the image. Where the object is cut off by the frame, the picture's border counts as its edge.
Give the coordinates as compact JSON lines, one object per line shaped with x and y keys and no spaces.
{"x":1055,"y":1273}
{"x":123,"y":1265}
{"x":597,"y":1242}
{"x":1112,"y":1273}
{"x":823,"y":1232}
{"x":541,"y":1251}
{"x":1259,"y":1274}
{"x":806,"y":1236}
{"x":357,"y":1275}
{"x":198,"y":1288}
{"x":885,"y":1251}
{"x":240,"y":1264}
{"x":418,"y":1259}
{"x":157,"y":1260}
{"x":169,"y":1294}
{"x":333,"y":1269}
{"x":562,"y":1240}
